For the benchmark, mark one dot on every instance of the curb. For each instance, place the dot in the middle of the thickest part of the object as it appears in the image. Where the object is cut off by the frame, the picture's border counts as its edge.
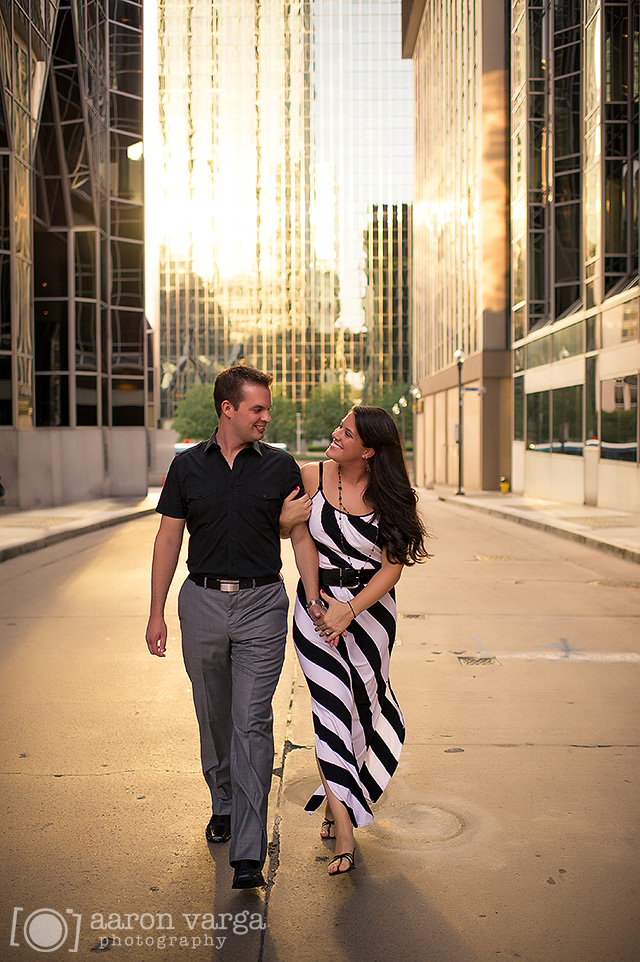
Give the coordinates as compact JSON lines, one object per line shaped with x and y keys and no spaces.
{"x":629,"y":554}
{"x":15,"y":550}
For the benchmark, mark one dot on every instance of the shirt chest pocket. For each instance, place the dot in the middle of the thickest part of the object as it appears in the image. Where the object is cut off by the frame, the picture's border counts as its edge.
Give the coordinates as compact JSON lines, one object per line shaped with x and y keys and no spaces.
{"x":203,"y":500}
{"x":264,"y":500}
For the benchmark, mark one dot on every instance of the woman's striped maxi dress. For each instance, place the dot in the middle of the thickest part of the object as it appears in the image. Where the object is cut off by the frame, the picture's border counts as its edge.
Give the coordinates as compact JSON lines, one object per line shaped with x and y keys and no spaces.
{"x":359,"y":728}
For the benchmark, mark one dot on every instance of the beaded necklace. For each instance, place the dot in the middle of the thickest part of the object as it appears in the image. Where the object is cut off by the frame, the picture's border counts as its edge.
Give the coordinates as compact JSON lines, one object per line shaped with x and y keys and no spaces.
{"x":340,"y":515}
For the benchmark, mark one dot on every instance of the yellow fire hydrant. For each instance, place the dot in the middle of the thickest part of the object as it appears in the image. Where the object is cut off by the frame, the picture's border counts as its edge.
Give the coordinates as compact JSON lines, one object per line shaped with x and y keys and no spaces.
{"x":504,"y":485}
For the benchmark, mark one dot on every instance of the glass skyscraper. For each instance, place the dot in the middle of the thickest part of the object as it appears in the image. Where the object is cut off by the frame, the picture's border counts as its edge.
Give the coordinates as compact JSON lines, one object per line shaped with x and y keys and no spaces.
{"x":460,"y":238}
{"x":575,"y":287}
{"x":282,"y":130}
{"x":571,"y":108}
{"x":73,"y":370}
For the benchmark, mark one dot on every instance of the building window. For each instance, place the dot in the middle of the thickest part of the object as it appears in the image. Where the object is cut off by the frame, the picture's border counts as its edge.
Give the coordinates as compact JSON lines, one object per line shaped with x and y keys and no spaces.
{"x":52,"y":400}
{"x":620,"y":139}
{"x":620,"y":325}
{"x":567,"y":435}
{"x":538,"y":421}
{"x":86,"y":401}
{"x":568,"y":137}
{"x":518,"y":409}
{"x":539,"y":352}
{"x":86,"y":336}
{"x":51,"y":336}
{"x":5,"y":302}
{"x":590,"y":401}
{"x":619,"y":418}
{"x":6,"y":416}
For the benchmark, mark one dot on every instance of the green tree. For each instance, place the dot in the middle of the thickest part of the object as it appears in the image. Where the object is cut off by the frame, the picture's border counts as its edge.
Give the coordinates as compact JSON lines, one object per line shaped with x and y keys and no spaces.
{"x":195,"y":417}
{"x":324,"y":411}
{"x":283,"y":420}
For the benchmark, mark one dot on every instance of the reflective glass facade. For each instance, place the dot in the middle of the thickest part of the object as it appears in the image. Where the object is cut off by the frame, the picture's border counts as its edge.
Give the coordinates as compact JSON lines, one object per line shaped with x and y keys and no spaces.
{"x":389,"y":298}
{"x":282,"y":128}
{"x":447,"y":189}
{"x":460,"y":236}
{"x":575,"y":200}
{"x":72,"y":326}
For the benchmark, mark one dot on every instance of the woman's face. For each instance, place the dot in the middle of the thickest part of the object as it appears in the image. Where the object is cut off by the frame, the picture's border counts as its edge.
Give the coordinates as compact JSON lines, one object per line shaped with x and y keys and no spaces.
{"x":345,"y":442}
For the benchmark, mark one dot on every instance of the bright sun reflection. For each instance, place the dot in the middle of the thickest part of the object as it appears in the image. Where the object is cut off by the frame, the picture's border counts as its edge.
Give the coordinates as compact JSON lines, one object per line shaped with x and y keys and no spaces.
{"x":269,"y":140}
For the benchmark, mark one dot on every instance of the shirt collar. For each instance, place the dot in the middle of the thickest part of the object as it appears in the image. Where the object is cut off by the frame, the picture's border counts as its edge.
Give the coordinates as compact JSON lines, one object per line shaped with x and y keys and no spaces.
{"x":213,"y":443}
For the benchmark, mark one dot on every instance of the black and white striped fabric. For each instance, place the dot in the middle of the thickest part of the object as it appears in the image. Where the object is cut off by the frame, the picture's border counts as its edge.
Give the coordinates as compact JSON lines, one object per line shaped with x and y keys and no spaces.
{"x":359,"y":728}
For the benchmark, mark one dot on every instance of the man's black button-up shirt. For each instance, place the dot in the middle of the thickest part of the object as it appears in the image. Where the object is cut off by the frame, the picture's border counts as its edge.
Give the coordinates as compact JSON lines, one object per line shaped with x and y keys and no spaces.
{"x":232,"y":514}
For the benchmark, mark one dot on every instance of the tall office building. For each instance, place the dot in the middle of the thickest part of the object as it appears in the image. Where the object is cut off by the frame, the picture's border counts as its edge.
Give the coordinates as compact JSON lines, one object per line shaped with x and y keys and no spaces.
{"x":460,"y":239}
{"x":388,"y":298}
{"x":73,"y":382}
{"x":574,"y":221}
{"x":279,"y":127}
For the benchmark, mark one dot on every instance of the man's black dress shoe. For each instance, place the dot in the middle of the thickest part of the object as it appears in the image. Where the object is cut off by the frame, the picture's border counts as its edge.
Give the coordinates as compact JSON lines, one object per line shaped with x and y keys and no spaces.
{"x":219,"y":828}
{"x":248,"y":874}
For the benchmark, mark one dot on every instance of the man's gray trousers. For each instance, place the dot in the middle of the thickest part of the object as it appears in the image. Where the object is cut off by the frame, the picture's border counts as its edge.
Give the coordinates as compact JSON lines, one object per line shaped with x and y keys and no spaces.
{"x":233,"y":646}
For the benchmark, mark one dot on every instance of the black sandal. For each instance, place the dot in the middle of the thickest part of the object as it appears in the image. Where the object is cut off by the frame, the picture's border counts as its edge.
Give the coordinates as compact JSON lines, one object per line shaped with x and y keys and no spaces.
{"x":328,"y":822}
{"x":350,"y":859}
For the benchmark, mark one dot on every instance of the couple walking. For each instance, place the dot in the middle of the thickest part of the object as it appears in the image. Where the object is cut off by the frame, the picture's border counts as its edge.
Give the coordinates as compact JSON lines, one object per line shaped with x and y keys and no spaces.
{"x":353,"y":524}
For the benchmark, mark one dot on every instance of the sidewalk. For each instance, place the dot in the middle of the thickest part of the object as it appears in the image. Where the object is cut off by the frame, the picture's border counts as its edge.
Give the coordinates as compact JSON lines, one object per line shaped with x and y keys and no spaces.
{"x":617,"y":532}
{"x":614,"y":531}
{"x":24,"y":531}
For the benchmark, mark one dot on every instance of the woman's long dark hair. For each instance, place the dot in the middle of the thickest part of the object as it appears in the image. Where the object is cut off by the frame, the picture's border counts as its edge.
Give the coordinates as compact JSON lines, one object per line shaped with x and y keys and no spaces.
{"x":389,"y":491}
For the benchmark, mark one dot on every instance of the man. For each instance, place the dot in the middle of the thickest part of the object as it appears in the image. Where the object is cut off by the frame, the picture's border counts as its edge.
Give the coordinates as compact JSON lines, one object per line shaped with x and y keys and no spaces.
{"x":229,"y":491}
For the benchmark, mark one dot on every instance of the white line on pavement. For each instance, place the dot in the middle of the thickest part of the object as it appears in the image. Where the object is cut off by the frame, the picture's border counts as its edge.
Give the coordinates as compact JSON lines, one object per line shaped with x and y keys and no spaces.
{"x":616,"y":656}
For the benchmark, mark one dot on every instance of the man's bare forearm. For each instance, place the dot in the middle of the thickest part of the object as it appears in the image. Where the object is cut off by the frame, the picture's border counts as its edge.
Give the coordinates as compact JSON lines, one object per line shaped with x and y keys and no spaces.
{"x":166,"y":552}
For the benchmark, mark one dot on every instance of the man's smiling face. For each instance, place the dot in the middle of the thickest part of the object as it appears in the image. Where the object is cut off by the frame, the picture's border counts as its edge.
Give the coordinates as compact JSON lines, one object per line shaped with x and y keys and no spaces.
{"x":249,"y":421}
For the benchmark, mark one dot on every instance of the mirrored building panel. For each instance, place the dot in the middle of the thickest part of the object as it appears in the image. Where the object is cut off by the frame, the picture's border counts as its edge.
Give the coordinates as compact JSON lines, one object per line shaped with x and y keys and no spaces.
{"x":280,"y":126}
{"x":460,"y":239}
{"x":71,"y":181}
{"x":574,"y":217}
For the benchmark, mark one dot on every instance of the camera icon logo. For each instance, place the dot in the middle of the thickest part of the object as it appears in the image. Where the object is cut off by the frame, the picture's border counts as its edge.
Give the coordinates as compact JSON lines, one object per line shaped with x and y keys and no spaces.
{"x":46,"y":930}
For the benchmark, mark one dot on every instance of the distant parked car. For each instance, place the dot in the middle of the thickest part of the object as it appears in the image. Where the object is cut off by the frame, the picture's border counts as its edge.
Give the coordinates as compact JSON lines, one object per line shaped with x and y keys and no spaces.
{"x":180,"y":446}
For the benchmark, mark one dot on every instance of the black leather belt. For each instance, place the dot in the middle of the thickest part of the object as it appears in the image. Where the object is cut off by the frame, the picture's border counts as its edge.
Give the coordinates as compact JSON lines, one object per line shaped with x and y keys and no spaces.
{"x":230,"y":584}
{"x":346,"y":577}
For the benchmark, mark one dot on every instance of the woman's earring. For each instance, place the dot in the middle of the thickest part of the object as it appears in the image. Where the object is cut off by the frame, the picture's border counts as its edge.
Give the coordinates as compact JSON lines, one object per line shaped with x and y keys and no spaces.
{"x":366,"y":463}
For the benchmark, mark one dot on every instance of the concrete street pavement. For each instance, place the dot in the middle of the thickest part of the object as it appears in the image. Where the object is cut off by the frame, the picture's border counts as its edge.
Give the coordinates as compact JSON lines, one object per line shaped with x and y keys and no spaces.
{"x":509,"y":830}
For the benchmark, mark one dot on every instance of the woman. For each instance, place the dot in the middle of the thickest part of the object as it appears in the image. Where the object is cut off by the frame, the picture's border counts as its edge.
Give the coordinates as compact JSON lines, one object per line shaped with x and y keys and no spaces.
{"x":365,"y":524}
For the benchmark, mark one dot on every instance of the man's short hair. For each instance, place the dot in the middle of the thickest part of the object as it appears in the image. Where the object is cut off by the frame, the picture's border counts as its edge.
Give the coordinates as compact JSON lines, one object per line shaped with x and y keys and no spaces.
{"x":229,"y":384}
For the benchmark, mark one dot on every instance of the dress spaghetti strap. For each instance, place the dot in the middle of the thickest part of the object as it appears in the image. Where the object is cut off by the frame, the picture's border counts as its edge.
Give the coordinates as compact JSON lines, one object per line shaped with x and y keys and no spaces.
{"x":320,"y":467}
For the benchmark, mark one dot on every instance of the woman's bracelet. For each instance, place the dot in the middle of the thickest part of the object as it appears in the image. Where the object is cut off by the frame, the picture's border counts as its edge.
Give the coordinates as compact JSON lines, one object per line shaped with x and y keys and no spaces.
{"x":351,"y":606}
{"x":315,"y":601}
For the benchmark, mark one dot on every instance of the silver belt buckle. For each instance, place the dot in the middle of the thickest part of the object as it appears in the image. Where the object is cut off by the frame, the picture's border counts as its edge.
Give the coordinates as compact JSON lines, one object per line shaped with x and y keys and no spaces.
{"x":229,"y":586}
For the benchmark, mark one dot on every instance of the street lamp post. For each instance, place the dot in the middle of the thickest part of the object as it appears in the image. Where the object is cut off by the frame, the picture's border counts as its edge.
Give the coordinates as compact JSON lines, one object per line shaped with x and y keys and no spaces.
{"x":460,"y":359}
{"x":402,"y":401}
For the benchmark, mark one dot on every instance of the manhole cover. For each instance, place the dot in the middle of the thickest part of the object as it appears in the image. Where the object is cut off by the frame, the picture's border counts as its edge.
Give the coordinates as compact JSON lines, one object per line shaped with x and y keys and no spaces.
{"x":465,"y":660}
{"x":416,"y":824}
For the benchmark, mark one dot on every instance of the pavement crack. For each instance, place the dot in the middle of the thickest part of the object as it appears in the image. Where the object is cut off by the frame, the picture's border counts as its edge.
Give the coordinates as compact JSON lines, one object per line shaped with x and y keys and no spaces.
{"x":273,"y":848}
